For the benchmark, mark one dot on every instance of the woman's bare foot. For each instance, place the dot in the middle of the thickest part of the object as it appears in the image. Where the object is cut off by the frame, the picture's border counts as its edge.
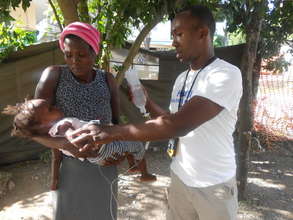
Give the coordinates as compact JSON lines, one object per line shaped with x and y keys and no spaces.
{"x":54,"y":185}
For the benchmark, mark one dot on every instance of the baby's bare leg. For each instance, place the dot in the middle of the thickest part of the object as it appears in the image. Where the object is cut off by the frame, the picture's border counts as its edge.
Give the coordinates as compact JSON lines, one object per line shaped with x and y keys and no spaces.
{"x":56,"y":162}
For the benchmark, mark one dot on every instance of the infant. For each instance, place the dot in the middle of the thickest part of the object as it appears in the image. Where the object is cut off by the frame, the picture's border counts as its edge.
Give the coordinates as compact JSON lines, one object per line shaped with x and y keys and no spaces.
{"x":36,"y":117}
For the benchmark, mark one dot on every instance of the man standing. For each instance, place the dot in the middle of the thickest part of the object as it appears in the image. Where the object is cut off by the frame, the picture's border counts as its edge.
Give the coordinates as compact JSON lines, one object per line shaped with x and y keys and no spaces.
{"x":203,"y":114}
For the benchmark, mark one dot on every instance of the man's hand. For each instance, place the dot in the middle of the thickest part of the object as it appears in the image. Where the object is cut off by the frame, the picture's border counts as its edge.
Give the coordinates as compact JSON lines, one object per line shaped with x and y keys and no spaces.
{"x":89,"y":137}
{"x":83,"y":138}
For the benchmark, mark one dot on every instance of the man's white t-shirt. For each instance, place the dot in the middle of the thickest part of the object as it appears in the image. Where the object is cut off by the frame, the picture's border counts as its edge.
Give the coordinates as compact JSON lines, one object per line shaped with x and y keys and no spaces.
{"x":205,"y":155}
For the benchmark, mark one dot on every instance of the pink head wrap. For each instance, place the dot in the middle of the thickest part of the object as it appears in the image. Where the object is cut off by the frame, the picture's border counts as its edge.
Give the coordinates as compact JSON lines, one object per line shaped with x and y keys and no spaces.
{"x":85,"y":31}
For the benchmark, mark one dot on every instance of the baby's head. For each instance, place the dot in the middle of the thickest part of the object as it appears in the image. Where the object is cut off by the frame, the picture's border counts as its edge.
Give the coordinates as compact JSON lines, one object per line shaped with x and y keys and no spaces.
{"x":32,"y":117}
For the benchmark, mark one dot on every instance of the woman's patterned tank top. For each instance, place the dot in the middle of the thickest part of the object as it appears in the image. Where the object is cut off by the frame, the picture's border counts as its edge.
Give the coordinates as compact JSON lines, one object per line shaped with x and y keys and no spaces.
{"x":88,"y":101}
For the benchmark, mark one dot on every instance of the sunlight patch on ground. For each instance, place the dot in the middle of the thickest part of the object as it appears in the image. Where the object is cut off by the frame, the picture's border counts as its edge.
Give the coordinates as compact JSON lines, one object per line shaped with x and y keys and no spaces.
{"x":137,"y":197}
{"x":266,"y":183}
{"x":249,"y":216}
{"x":263,"y":170}
{"x":38,"y":207}
{"x":164,"y":181}
{"x":261,"y":162}
{"x":284,"y":212}
{"x":288,"y":174}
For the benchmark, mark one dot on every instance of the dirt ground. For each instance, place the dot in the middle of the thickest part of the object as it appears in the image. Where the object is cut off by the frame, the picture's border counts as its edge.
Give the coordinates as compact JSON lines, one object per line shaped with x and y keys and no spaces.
{"x":269,"y":190}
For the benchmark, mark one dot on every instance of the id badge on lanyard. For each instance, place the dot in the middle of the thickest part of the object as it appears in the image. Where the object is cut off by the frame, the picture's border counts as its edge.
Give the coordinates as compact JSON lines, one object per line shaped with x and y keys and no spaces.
{"x":172,"y":147}
{"x":174,"y":142}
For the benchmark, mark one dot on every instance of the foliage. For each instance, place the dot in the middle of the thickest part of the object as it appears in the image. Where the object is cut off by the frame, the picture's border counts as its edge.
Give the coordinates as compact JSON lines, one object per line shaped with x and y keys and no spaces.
{"x":237,"y":37}
{"x":52,"y":16}
{"x":276,"y":64}
{"x":277,"y":30}
{"x":116,"y":19}
{"x":277,"y":25}
{"x":6,"y":5}
{"x":13,"y":39}
{"x":219,"y":40}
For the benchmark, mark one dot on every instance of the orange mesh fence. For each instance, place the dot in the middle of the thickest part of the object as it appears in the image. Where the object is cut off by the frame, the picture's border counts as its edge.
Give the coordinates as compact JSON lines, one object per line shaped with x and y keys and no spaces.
{"x":273,"y":108}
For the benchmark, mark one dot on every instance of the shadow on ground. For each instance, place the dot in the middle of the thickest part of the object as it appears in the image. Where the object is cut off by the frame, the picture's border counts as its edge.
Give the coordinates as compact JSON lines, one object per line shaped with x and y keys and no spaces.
{"x":270,"y":186}
{"x":31,"y":176}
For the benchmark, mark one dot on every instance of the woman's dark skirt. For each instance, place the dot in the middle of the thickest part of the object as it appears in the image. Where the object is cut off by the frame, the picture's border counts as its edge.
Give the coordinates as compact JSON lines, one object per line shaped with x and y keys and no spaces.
{"x":84,"y":191}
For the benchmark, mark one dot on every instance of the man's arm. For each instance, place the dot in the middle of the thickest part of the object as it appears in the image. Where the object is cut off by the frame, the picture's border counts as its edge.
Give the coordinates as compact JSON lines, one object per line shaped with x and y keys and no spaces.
{"x":194,"y":113}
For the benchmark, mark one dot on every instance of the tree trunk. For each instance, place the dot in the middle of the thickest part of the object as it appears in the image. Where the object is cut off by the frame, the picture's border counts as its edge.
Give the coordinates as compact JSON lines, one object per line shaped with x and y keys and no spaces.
{"x":256,"y":74}
{"x":83,"y":11}
{"x":69,"y":10}
{"x":245,"y":115}
{"x":135,"y":47}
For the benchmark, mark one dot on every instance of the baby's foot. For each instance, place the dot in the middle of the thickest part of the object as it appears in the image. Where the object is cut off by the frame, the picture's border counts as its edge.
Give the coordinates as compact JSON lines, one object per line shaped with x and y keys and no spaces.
{"x":148,"y":178}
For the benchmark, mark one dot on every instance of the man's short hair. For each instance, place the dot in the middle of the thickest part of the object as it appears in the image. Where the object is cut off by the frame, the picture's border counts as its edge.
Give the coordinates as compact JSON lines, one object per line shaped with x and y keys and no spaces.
{"x":203,"y":14}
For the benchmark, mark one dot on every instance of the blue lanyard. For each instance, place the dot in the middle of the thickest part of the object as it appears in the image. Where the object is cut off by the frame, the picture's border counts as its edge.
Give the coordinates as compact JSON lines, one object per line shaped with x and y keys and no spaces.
{"x":182,"y":92}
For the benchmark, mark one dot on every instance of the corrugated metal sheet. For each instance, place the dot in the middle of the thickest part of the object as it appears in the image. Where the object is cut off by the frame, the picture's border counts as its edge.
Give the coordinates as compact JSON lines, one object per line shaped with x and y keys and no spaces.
{"x":18,"y":77}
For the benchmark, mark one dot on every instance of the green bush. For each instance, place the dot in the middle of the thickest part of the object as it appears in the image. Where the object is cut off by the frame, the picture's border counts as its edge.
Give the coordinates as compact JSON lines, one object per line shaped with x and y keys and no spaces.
{"x":13,"y":39}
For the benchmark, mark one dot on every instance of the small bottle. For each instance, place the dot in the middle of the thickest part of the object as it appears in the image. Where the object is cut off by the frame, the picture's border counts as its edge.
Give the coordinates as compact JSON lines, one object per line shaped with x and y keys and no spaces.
{"x":139,"y":98}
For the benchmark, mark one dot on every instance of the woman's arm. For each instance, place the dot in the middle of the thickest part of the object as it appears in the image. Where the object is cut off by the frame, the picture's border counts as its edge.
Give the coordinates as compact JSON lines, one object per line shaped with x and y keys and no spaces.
{"x":47,"y":84}
{"x":55,"y":165}
{"x":62,"y":144}
{"x":115,"y":103}
{"x":46,"y":89}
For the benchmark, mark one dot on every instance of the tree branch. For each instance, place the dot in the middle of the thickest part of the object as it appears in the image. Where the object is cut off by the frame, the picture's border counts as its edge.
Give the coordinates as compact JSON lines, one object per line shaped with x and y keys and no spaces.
{"x":56,"y":14}
{"x":135,"y":47}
